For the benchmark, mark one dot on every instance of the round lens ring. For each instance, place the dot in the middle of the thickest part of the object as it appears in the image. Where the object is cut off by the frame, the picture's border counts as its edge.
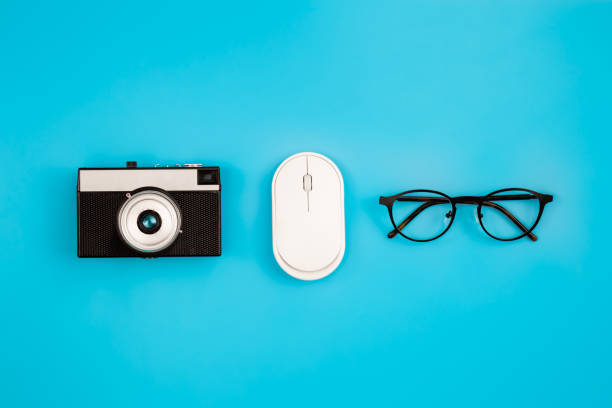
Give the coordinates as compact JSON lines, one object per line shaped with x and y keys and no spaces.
{"x":149,"y":222}
{"x":510,"y":214}
{"x":422,"y":215}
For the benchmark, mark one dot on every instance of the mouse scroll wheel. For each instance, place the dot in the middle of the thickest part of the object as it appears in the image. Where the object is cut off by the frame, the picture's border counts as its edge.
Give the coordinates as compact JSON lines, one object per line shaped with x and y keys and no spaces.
{"x":307,"y":180}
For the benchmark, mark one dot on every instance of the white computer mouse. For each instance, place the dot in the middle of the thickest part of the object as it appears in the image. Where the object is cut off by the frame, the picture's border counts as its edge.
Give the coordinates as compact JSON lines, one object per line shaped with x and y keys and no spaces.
{"x":308,"y":216}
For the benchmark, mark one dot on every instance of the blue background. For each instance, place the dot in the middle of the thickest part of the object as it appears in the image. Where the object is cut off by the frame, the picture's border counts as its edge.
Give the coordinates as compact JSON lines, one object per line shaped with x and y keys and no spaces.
{"x":463,"y":97}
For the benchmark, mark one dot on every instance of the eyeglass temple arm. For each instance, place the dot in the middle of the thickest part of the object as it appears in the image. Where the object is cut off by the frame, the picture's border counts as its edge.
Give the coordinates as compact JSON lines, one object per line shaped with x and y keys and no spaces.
{"x":512,"y":218}
{"x":435,"y":201}
{"x":410,"y":217}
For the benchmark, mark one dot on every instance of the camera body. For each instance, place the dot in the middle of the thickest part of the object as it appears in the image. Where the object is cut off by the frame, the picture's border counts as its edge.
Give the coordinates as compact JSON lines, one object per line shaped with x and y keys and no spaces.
{"x":149,"y":212}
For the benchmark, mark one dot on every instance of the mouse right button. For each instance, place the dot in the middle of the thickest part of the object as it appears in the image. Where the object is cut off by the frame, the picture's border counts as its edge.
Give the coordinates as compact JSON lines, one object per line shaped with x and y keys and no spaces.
{"x":326,"y":211}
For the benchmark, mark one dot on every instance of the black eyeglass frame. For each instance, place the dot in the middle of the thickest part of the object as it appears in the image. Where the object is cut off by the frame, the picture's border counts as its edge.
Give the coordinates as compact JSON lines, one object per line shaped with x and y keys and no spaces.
{"x":480,"y":201}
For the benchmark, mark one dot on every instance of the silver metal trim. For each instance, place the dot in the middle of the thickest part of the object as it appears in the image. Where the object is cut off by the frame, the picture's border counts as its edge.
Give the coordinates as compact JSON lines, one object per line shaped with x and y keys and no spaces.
{"x":169,"y":179}
{"x":149,"y":200}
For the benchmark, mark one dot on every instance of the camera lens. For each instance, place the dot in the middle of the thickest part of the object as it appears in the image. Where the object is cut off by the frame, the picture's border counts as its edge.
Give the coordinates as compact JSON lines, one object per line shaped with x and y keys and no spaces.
{"x":149,"y":222}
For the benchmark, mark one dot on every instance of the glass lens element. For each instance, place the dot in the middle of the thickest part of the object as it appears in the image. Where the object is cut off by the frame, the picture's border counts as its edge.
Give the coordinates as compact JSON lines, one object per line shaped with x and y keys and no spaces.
{"x":503,"y":215}
{"x":422,"y":215}
{"x":149,"y":221}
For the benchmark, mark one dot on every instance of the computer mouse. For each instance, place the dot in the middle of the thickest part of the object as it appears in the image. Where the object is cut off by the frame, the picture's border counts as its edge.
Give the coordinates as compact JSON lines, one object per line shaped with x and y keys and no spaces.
{"x":308,"y":235}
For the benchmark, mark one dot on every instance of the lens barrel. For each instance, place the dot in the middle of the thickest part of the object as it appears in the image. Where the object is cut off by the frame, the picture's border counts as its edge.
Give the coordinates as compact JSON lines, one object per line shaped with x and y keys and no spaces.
{"x":149,"y":221}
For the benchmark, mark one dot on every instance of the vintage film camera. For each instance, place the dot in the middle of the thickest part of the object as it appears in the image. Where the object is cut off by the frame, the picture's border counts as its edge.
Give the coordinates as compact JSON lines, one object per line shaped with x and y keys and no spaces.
{"x":149,"y":211}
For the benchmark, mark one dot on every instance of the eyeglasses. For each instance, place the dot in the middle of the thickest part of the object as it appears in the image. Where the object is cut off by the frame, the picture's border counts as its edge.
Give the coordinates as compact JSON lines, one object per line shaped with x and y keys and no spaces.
{"x":506,"y":215}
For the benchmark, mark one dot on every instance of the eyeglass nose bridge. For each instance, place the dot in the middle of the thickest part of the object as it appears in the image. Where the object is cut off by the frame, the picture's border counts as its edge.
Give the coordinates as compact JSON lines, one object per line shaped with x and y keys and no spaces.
{"x":475,"y":200}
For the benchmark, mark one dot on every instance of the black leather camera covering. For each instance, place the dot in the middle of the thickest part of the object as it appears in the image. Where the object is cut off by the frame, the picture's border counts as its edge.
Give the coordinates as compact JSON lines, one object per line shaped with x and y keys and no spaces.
{"x":97,"y":225}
